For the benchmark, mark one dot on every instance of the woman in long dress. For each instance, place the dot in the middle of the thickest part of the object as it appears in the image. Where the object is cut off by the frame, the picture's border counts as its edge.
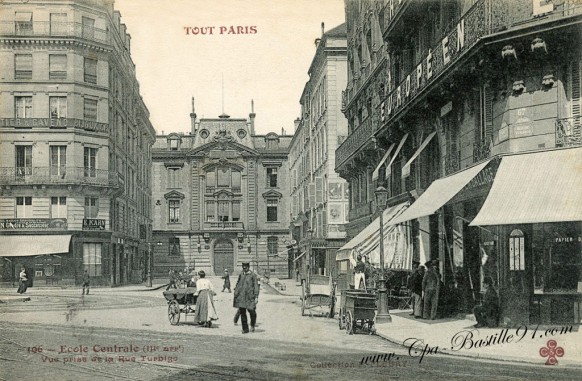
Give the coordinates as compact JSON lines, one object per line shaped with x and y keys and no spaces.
{"x":205,"y":311}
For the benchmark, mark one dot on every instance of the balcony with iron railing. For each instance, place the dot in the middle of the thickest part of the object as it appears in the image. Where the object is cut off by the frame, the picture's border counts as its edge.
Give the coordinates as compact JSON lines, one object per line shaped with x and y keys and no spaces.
{"x":224,"y":225}
{"x":58,"y":175}
{"x":51,"y":29}
{"x":354,"y":142}
{"x":452,"y":162}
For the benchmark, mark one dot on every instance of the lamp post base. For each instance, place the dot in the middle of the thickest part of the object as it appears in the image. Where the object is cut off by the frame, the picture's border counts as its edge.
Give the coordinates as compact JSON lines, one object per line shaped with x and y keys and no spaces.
{"x":383,"y":315}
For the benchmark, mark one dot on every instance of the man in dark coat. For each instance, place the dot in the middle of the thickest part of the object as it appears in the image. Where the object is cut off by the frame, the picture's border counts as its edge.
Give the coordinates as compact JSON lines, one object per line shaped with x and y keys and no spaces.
{"x":246,"y":296}
{"x":417,"y":292}
{"x":226,"y":277}
{"x":487,"y":314}
{"x":86,"y":280}
{"x":409,"y":283}
{"x":430,"y":290}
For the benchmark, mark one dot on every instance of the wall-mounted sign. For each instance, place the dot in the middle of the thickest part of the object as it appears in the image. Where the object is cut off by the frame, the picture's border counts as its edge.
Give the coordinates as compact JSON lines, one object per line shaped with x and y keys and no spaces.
{"x":93,"y":224}
{"x":54,"y":123}
{"x":33,"y":224}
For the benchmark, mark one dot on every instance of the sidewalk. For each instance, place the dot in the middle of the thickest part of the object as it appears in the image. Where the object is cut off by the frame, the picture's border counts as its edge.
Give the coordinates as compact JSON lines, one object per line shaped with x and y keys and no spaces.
{"x":458,"y":337}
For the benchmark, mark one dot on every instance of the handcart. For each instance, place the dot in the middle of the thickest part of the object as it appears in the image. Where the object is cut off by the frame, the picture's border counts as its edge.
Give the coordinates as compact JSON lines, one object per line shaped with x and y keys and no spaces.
{"x":180,"y":300}
{"x":319,"y":293}
{"x":357,"y":311}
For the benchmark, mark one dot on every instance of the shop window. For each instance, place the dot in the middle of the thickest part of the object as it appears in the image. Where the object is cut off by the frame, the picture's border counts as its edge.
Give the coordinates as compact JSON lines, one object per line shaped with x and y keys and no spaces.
{"x":516,"y":251}
{"x":174,"y":211}
{"x":92,"y":258}
{"x":23,"y":207}
{"x":23,"y":66}
{"x":58,"y":207}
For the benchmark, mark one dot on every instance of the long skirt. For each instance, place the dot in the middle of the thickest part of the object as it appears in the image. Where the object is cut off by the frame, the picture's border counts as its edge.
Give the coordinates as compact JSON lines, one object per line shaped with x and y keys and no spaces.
{"x":205,"y":311}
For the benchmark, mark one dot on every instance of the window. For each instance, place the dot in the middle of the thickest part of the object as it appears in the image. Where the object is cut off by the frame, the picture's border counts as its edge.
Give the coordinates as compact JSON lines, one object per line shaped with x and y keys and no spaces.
{"x":174,"y":144}
{"x":236,"y":180}
{"x":90,"y":162}
{"x":23,"y":66}
{"x":57,"y":66}
{"x":90,"y":70}
{"x":58,"y":160}
{"x":174,"y":177}
{"x":58,"y":207}
{"x":23,"y":107}
{"x":236,"y":211}
{"x":58,"y":107}
{"x":23,"y":207}
{"x":210,"y":211}
{"x":88,"y":27}
{"x":223,"y":177}
{"x":92,"y":258}
{"x":272,"y":177}
{"x":272,"y":205}
{"x":90,"y":109}
{"x":516,"y":251}
{"x":272,"y":245}
{"x":23,"y":160}
{"x":23,"y":23}
{"x":174,"y":245}
{"x":210,"y":181}
{"x":91,"y":207}
{"x":223,"y":207}
{"x":174,"y":211}
{"x":58,"y":24}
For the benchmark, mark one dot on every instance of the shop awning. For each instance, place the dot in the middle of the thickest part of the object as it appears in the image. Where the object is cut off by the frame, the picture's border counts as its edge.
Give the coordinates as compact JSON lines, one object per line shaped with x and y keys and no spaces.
{"x":376,"y":172}
{"x":300,"y":255}
{"x":368,"y":238}
{"x":25,"y":245}
{"x":406,"y":168}
{"x":389,"y":166}
{"x":438,"y":194}
{"x":535,"y":187}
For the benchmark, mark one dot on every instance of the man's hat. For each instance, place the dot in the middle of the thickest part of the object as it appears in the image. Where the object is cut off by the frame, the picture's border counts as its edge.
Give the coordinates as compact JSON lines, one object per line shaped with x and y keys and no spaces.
{"x":246,"y":264}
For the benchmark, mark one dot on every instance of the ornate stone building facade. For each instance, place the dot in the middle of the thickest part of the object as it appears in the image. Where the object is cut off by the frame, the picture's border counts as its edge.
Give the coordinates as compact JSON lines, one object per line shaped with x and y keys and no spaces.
{"x":220,"y":198}
{"x":470,"y":92}
{"x":75,"y":141}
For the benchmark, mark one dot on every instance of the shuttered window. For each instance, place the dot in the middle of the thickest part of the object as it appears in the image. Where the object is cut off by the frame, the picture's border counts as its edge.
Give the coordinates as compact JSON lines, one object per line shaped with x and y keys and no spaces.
{"x":90,"y":109}
{"x":90,"y":66}
{"x":57,"y":66}
{"x":23,"y":66}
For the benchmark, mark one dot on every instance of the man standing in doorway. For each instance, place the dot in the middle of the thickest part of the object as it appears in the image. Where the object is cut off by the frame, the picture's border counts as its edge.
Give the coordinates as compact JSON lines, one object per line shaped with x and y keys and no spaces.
{"x":246,"y":296}
{"x":430,"y":290}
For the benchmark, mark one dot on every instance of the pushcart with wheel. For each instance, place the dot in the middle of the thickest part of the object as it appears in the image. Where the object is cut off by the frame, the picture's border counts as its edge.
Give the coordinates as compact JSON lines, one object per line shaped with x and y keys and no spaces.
{"x":318,"y":294}
{"x":357,"y":311}
{"x":180,"y":301}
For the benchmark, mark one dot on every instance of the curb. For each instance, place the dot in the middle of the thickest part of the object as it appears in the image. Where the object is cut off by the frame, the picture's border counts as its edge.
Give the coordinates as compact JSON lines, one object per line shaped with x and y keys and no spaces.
{"x":15,"y":299}
{"x":481,"y":356}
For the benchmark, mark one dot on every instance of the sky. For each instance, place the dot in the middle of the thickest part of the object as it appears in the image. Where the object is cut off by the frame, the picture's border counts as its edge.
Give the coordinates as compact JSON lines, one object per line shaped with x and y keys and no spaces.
{"x":269,"y":66}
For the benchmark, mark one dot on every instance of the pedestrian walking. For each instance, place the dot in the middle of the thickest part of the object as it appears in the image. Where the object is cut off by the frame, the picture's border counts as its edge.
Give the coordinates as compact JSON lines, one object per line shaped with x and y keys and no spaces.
{"x":172,"y":278}
{"x":417,"y":292}
{"x":410,"y":281}
{"x":22,"y":281}
{"x":487,"y":314}
{"x":86,"y":280}
{"x":246,"y":297}
{"x":205,"y":312}
{"x":226,"y":284}
{"x":430,"y":290}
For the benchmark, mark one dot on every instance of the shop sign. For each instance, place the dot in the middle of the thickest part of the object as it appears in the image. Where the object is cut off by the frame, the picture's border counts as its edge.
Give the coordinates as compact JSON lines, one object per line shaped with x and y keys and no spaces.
{"x":568,"y":239}
{"x":33,"y":224}
{"x":54,"y":123}
{"x":93,"y":224}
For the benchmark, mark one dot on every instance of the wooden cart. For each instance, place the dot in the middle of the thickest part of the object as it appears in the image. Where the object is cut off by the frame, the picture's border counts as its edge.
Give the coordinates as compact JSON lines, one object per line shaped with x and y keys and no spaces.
{"x":180,"y":300}
{"x":357,"y":311}
{"x":318,"y":293}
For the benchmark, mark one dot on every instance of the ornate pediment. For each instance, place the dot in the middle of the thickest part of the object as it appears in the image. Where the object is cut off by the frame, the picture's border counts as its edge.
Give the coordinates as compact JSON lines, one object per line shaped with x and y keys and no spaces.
{"x":272,"y":194}
{"x":174,"y":194}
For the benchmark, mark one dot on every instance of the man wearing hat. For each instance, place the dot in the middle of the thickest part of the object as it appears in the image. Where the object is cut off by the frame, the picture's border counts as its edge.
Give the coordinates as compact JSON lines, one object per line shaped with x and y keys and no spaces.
{"x":416,"y":289}
{"x":226,"y":277}
{"x":430,"y":290}
{"x":246,"y":296}
{"x":359,"y":276}
{"x":410,"y":281}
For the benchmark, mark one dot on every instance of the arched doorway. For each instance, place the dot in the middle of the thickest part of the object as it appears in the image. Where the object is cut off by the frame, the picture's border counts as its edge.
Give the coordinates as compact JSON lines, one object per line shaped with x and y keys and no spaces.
{"x":223,"y":257}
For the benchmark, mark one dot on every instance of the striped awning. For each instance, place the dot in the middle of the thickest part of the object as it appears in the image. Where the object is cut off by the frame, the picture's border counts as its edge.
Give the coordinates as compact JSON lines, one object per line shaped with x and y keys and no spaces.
{"x":369,"y":238}
{"x":534,"y":188}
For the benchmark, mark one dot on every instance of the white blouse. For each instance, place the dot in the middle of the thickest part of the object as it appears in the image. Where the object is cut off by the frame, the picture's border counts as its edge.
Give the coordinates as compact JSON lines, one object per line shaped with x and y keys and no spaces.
{"x":203,"y":284}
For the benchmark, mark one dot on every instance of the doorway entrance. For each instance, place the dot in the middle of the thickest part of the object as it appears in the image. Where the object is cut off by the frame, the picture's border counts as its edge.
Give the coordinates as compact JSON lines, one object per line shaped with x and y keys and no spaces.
{"x":223,"y":257}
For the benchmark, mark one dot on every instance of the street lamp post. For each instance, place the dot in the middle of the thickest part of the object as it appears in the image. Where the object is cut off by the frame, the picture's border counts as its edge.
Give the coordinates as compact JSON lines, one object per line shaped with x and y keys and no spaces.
{"x":383,"y":313}
{"x":308,"y":257}
{"x":150,"y":262}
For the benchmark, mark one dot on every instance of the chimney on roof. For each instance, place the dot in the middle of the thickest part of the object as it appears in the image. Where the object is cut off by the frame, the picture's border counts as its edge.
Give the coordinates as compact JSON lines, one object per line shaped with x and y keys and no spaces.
{"x":296,"y":123}
{"x":252,"y":117}
{"x":194,"y":123}
{"x":322,"y":28}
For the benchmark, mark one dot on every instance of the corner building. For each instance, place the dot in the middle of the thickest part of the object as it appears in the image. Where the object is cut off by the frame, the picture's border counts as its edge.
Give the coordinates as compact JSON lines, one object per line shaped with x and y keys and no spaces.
{"x":477,"y":127}
{"x":75,"y":141}
{"x":220,"y":198}
{"x":318,"y":194}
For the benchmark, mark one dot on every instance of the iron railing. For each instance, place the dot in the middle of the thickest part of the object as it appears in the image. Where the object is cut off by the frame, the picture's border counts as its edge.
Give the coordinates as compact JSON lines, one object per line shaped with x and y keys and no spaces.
{"x":58,"y":175}
{"x":226,"y":225}
{"x":354,"y":141}
{"x":53,"y":29}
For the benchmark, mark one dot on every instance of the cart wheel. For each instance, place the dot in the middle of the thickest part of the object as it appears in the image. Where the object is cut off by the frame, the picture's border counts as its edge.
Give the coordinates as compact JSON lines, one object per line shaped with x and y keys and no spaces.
{"x":349,"y":323}
{"x":174,"y":312}
{"x":341,"y":321}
